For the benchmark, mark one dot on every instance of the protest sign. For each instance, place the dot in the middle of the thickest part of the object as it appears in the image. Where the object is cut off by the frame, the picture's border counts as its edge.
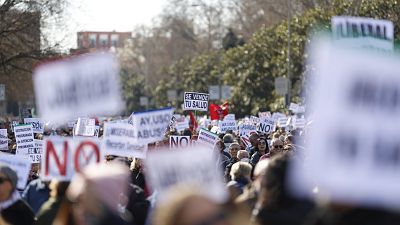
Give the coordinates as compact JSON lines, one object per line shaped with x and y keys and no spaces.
{"x":37,"y":124}
{"x":195,"y":101}
{"x":351,"y":152}
{"x":182,"y":123}
{"x":24,"y":138}
{"x":293,"y":107}
{"x":229,"y":117}
{"x":299,"y":123}
{"x":119,"y":139}
{"x":63,"y":157}
{"x":196,"y":167}
{"x":20,"y":164}
{"x":254,"y":119}
{"x":3,"y":139}
{"x":85,"y":85}
{"x":150,"y":125}
{"x":283,"y":122}
{"x":266,"y":125}
{"x":207,"y":138}
{"x":363,"y":32}
{"x":35,"y":154}
{"x":85,"y":127}
{"x":226,"y":125}
{"x":246,"y":129}
{"x":264,"y":114}
{"x":179,"y":142}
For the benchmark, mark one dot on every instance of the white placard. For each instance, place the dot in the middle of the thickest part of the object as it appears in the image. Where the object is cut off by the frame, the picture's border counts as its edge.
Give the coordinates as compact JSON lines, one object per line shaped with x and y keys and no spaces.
{"x":207,"y":138}
{"x":266,"y":125}
{"x":150,"y":126}
{"x":293,"y":107}
{"x":85,"y":127}
{"x":119,"y":139}
{"x":229,"y":117}
{"x":168,"y":168}
{"x":363,"y":32}
{"x":299,"y":123}
{"x":35,"y":154}
{"x":179,"y":142}
{"x":226,"y":125}
{"x":19,"y":164}
{"x":246,"y":129}
{"x":353,"y":154}
{"x":254,"y":119}
{"x":3,"y":139}
{"x":181,"y":124}
{"x":195,"y":101}
{"x":24,"y":138}
{"x":83,"y":86}
{"x":264,"y":114}
{"x":283,"y":122}
{"x":37,"y":124}
{"x":63,"y":157}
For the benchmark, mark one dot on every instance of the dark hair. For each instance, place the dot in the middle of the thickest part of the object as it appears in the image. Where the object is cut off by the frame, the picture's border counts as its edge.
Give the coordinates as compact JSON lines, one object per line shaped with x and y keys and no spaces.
{"x":266,"y":144}
{"x":187,"y":132}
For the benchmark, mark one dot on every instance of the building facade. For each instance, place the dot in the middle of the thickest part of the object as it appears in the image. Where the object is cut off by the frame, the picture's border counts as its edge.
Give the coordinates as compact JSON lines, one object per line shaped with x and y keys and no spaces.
{"x":102,"y":40}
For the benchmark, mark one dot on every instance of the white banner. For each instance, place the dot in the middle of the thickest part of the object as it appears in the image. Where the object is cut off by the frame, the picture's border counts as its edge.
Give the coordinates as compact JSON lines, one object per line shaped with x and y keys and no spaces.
{"x":150,"y":126}
{"x":353,"y":144}
{"x":24,"y":138}
{"x":119,"y":139}
{"x":83,"y":86}
{"x":3,"y":139}
{"x":37,"y":124}
{"x":179,"y":142}
{"x":20,"y":164}
{"x":207,"y":138}
{"x":196,"y":167}
{"x":63,"y":157}
{"x":195,"y":101}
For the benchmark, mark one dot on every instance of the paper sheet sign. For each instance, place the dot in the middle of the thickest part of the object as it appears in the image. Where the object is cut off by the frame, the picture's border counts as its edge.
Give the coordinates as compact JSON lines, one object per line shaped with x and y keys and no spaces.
{"x":3,"y":139}
{"x":85,"y":127}
{"x":37,"y":124}
{"x":63,"y":157}
{"x":150,"y":125}
{"x":119,"y":139}
{"x":196,"y":167}
{"x":207,"y":138}
{"x":353,"y":145}
{"x":195,"y":101}
{"x":24,"y":137}
{"x":226,"y":125}
{"x":83,"y":86}
{"x":20,"y":164}
{"x":266,"y":125}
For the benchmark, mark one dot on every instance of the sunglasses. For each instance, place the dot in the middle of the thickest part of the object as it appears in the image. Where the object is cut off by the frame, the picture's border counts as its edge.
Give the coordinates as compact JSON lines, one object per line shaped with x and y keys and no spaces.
{"x":3,"y":179}
{"x":278,"y":146}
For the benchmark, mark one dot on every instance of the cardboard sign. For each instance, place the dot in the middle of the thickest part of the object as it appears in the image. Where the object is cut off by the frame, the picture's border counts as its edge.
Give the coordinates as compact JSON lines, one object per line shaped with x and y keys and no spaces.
{"x":266,"y":125}
{"x":85,"y":85}
{"x":207,"y":138}
{"x":63,"y":157}
{"x":352,"y":151}
{"x":226,"y":125}
{"x":179,"y":142}
{"x":20,"y":164}
{"x":363,"y":32}
{"x":37,"y":124}
{"x":24,"y":137}
{"x":119,"y":139}
{"x":85,"y":127}
{"x":3,"y":139}
{"x":195,"y":101}
{"x":150,"y":125}
{"x":196,"y":167}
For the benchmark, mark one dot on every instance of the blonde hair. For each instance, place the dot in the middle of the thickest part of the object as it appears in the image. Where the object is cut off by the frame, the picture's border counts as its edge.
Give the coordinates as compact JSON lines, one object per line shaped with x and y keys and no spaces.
{"x":240,"y":169}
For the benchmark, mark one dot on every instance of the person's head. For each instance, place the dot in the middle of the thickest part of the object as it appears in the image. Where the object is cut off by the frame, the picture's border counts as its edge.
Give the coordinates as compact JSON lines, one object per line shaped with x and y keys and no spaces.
{"x":243,"y":155}
{"x":253,"y":139}
{"x":228,"y":138}
{"x":241,"y":170}
{"x":136,"y":164}
{"x":187,"y":132}
{"x":262,"y":146}
{"x":8,"y":182}
{"x":233,"y":149}
{"x":289,"y":140}
{"x":219,"y":145}
{"x":276,"y":146}
{"x":185,"y":206}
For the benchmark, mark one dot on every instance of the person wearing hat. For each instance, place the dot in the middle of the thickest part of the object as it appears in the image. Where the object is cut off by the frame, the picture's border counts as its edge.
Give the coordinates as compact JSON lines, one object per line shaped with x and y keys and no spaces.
{"x":13,"y":209}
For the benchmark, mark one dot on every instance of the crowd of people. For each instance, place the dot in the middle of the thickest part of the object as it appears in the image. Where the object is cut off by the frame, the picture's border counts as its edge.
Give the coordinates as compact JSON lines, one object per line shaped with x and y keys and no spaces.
{"x":116,"y":192}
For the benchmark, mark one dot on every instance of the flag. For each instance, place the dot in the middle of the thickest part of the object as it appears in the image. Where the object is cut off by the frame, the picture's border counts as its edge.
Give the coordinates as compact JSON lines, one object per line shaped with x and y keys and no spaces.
{"x":218,"y":112}
{"x":193,"y":123}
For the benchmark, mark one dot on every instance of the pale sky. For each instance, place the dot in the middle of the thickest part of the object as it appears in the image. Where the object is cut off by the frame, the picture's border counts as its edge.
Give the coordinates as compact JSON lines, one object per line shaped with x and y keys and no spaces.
{"x":109,"y":15}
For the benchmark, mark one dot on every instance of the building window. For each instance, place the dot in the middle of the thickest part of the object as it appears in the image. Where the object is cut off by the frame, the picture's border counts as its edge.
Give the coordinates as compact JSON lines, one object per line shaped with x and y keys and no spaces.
{"x":103,"y":40}
{"x":92,"y":40}
{"x":114,"y":40}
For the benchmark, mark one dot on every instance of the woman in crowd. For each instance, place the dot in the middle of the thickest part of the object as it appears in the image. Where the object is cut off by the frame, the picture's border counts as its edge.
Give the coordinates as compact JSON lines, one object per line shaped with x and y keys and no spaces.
{"x":260,"y":150}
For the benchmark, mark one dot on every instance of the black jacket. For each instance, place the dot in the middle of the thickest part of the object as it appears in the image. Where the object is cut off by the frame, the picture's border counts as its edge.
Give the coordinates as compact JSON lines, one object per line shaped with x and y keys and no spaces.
{"x":18,"y":213}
